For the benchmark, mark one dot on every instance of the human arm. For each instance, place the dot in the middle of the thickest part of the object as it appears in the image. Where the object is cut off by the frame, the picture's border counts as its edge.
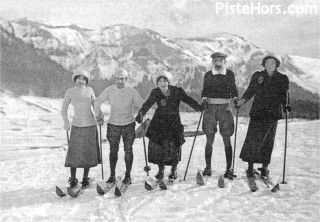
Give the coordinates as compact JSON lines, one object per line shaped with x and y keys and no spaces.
{"x":146,"y":106}
{"x":64,"y":110}
{"x":204,"y":93}
{"x":137,"y":99}
{"x":233,"y":87}
{"x":97,"y":106}
{"x":93,"y":97}
{"x":284,"y":94}
{"x":188,"y":100}
{"x":250,"y":91}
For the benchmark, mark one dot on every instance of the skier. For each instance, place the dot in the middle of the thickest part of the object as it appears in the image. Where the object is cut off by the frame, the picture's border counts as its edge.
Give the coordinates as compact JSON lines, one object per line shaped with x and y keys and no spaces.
{"x":83,"y":148}
{"x":219,"y":88}
{"x":121,"y":122}
{"x":269,"y":88}
{"x":165,"y":131}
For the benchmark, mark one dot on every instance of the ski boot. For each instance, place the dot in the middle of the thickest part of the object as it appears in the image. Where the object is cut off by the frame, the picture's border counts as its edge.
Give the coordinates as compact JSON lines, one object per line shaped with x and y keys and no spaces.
{"x":127,"y":180}
{"x":85,"y":182}
{"x":73,"y":183}
{"x":264,"y":172}
{"x":228,"y":174}
{"x":111,"y":179}
{"x":207,"y":172}
{"x":173,"y":175}
{"x":159,"y":175}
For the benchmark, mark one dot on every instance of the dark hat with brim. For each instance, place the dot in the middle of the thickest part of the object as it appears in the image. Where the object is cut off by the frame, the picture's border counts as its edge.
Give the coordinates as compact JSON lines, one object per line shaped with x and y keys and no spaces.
{"x":218,"y":55}
{"x":271,"y":56}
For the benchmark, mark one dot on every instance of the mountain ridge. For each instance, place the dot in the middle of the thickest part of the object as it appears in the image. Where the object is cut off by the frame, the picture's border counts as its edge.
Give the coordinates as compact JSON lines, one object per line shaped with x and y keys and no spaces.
{"x":146,"y":53}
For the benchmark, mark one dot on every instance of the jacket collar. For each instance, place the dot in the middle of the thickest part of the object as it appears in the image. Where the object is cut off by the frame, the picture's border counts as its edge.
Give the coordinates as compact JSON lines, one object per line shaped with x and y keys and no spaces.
{"x":222,"y":72}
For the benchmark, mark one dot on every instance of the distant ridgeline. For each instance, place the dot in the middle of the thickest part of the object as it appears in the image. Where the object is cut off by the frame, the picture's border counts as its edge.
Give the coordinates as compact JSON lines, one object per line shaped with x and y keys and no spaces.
{"x":27,"y":70}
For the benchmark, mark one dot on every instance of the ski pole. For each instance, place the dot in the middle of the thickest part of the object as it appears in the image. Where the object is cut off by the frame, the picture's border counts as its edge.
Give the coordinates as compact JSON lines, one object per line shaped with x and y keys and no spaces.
{"x":285,"y":139}
{"x":101,"y":151}
{"x":146,"y":168}
{"x":235,"y":140}
{"x":194,"y":140}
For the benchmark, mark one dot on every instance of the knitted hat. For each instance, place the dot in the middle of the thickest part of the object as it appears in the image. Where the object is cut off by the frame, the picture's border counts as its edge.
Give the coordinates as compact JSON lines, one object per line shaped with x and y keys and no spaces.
{"x":80,"y":73}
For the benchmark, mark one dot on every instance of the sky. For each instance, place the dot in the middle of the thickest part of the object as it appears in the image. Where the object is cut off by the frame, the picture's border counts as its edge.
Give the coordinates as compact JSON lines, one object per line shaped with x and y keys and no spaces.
{"x":280,"y":26}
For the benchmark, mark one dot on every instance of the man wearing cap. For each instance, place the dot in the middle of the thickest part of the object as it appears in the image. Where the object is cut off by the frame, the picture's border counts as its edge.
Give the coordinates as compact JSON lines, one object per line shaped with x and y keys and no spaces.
{"x":121,"y":122}
{"x":219,"y":88}
{"x":269,"y":90}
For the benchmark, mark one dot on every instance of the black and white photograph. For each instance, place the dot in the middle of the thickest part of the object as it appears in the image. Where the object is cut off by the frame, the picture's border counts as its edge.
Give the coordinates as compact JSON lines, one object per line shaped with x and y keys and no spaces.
{"x":159,"y":110}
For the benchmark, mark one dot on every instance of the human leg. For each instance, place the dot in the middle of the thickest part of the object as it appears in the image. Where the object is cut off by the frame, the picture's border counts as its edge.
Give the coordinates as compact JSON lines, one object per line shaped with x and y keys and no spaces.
{"x":209,"y":127}
{"x":128,"y":135}
{"x":113,"y":136}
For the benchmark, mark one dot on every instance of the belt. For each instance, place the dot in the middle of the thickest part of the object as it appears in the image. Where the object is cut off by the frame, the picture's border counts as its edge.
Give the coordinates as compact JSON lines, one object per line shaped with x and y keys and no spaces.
{"x":218,"y":101}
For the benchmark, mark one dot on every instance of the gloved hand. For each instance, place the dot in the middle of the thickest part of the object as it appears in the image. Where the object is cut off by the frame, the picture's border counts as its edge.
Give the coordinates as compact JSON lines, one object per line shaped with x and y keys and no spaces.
{"x":240,"y":102}
{"x":235,"y":102}
{"x":100,"y":121}
{"x":198,"y":108}
{"x":204,"y":104}
{"x":139,"y":118}
{"x":287,"y":108}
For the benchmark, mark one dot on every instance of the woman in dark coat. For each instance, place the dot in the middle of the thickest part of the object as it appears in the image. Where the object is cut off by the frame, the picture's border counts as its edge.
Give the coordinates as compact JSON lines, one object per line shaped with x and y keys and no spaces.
{"x":165,"y":131}
{"x":269,"y":89}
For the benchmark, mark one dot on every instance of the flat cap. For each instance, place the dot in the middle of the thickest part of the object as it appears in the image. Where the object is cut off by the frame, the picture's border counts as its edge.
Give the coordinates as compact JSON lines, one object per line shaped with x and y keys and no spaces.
{"x":218,"y":54}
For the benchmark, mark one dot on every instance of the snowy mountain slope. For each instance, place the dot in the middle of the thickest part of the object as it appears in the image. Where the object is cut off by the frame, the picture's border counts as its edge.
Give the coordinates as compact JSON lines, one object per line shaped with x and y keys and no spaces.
{"x":32,"y":160}
{"x":310,"y":68}
{"x":144,"y":52}
{"x":245,"y":58}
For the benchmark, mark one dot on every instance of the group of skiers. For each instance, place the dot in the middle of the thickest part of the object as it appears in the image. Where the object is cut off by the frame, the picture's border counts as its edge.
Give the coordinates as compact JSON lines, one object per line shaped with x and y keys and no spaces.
{"x":165,"y":132}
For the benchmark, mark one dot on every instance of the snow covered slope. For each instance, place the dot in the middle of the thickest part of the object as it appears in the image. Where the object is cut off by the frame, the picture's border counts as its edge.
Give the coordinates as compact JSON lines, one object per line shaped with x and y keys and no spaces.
{"x":144,"y":53}
{"x":33,"y":150}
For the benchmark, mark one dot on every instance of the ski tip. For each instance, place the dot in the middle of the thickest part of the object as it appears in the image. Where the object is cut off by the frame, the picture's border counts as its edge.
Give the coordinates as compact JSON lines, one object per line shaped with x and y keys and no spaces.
{"x":99,"y":190}
{"x":59,"y":192}
{"x":72,"y":193}
{"x":199,"y":178}
{"x":147,"y":186}
{"x":117,"y":191}
{"x":221,"y":182}
{"x":275,"y":188}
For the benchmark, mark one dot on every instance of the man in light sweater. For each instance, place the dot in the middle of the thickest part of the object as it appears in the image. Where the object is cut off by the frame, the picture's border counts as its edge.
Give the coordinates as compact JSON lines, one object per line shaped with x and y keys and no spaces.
{"x":219,"y":88}
{"x":121,"y":122}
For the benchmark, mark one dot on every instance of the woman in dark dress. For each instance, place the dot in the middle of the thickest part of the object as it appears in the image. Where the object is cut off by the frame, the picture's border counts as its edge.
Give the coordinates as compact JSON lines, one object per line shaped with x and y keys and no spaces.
{"x":165,"y":131}
{"x":269,"y":89}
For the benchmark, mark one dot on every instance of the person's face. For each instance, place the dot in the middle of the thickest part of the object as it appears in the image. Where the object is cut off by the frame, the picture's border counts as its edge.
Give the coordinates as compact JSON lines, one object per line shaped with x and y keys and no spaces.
{"x":81,"y":81}
{"x":218,"y":63}
{"x":270,"y":65}
{"x":120,"y":81}
{"x":163,"y":84}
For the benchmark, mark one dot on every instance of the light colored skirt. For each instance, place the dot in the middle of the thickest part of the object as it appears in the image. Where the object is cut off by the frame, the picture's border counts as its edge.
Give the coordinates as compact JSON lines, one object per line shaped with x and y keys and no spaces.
{"x":83,"y":150}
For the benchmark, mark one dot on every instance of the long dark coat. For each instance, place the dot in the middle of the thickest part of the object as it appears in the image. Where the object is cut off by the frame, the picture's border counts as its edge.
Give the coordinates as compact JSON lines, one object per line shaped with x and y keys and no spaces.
{"x":269,"y":94}
{"x":165,"y":127}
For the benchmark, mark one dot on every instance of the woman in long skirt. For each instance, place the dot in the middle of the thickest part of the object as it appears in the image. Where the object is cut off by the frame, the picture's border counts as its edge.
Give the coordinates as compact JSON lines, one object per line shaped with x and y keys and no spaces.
{"x":83,"y":150}
{"x":165,"y":131}
{"x":269,"y":89}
